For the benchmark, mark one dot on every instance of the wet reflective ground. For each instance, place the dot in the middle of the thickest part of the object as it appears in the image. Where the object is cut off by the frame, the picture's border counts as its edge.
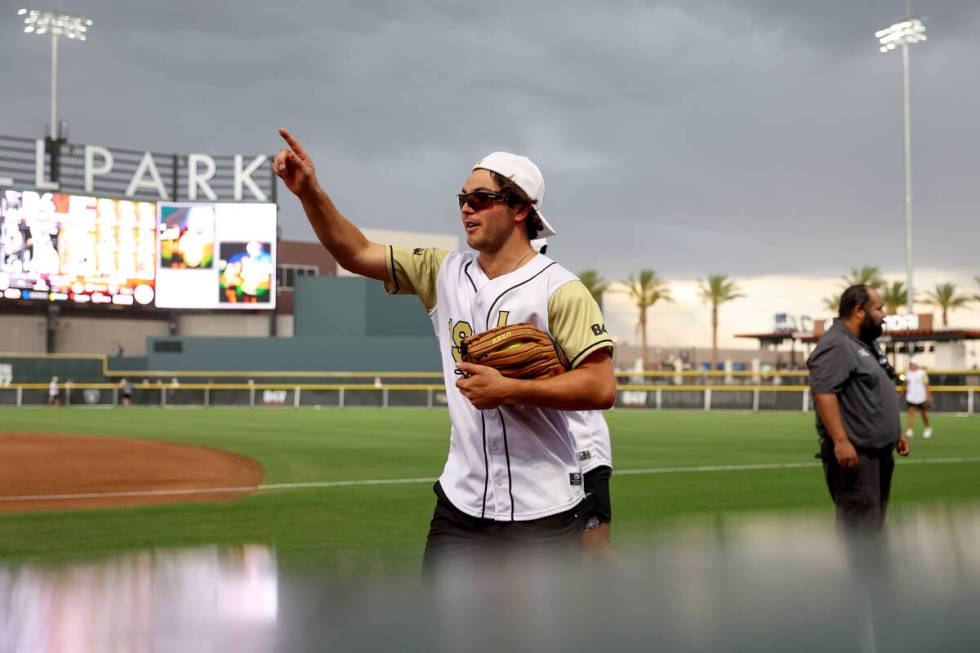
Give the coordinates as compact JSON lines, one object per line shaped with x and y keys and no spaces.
{"x":761,"y":584}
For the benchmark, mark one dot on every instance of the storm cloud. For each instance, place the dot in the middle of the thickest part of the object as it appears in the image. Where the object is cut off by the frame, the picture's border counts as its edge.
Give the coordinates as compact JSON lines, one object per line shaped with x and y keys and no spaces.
{"x":749,"y":137}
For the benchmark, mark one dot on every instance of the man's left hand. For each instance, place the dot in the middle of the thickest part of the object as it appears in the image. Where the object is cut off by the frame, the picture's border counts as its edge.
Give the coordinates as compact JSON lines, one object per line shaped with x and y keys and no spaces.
{"x":903,"y":446}
{"x":484,"y":386}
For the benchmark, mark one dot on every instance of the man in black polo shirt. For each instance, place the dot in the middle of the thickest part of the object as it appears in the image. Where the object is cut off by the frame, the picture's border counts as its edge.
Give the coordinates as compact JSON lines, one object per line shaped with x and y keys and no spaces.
{"x":857,"y":411}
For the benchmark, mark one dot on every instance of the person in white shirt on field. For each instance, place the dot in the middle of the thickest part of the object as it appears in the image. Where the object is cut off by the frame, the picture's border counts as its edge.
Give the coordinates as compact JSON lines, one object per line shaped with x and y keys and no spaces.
{"x":918,"y":397}
{"x":595,"y":457}
{"x":53,"y":398}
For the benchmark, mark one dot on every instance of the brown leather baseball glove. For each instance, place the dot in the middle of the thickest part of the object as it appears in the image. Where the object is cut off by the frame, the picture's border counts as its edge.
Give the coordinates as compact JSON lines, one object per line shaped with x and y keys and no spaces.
{"x":519,"y":351}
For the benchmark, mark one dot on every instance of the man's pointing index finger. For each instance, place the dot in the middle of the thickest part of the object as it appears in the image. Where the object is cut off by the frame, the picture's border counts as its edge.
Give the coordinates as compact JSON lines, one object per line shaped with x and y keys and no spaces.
{"x":293,"y":143}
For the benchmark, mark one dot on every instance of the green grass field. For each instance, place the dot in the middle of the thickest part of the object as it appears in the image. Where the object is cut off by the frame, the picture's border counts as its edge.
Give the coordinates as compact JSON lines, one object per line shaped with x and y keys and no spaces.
{"x":381,"y":528}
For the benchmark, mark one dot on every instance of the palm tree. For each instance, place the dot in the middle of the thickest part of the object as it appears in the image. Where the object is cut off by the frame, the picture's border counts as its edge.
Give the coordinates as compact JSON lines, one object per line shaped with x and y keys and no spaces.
{"x":868,"y":275}
{"x":895,"y":296}
{"x":595,"y":284}
{"x":945,"y":298}
{"x":645,"y":290}
{"x":717,"y":290}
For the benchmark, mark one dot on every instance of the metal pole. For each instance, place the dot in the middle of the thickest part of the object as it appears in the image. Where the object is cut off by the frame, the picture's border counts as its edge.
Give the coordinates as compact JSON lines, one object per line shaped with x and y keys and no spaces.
{"x":54,"y":87}
{"x":908,"y":179}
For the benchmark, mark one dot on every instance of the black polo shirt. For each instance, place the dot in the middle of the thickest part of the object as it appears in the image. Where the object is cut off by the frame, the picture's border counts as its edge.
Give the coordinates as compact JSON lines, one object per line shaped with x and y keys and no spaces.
{"x":845,"y":366}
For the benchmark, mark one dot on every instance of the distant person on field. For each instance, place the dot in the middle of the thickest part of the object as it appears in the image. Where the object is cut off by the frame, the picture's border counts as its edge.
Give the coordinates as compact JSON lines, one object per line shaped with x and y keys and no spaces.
{"x":126,"y":388}
{"x":53,"y":398}
{"x":858,"y":418}
{"x":918,"y":396}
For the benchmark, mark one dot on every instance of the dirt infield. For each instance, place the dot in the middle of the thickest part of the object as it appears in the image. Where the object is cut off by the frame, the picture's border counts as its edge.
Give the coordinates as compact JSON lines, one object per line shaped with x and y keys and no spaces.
{"x":49,"y":472}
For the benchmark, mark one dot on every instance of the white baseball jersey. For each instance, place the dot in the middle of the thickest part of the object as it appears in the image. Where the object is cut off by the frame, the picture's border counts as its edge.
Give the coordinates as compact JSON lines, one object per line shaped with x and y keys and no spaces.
{"x":915,"y":386}
{"x":513,"y":463}
{"x":591,"y":435}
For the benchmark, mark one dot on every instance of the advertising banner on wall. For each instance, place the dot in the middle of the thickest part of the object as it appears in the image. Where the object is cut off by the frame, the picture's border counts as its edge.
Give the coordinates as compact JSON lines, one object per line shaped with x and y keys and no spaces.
{"x":81,"y":249}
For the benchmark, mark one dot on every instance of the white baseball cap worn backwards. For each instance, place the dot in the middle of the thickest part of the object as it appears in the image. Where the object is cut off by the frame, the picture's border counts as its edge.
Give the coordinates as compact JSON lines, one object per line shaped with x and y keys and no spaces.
{"x":522,"y":171}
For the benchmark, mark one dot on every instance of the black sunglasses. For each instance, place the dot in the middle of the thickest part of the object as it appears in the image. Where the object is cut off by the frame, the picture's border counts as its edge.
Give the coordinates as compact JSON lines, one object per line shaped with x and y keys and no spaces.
{"x":480,"y":199}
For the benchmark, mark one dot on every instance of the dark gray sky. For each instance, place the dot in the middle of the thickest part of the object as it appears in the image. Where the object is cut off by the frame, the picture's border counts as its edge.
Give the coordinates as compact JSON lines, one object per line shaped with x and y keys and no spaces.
{"x":691,"y":136}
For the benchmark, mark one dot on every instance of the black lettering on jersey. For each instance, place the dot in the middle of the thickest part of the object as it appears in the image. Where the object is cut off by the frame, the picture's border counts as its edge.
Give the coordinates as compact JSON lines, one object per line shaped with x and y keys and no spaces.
{"x":417,"y":251}
{"x":575,"y":478}
{"x":457,"y":332}
{"x":599,"y":329}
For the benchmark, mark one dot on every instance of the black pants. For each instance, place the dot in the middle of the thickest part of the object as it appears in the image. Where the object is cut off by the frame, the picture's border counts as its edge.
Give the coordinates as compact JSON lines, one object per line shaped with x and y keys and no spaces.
{"x":860,"y":493}
{"x":457,"y":538}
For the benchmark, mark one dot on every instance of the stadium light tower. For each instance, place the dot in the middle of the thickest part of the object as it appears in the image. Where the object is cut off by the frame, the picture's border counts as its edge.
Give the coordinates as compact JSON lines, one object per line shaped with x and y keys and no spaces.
{"x":56,"y":24}
{"x":904,"y":34}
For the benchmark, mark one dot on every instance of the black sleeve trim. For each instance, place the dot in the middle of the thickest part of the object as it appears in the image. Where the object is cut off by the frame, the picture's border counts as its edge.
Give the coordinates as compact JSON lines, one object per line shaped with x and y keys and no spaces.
{"x":588,"y":350}
{"x":394,"y":272}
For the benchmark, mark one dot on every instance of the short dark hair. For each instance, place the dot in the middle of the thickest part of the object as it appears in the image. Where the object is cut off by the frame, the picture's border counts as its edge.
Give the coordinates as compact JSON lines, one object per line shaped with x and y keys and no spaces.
{"x":854,"y":297}
{"x":517,"y":197}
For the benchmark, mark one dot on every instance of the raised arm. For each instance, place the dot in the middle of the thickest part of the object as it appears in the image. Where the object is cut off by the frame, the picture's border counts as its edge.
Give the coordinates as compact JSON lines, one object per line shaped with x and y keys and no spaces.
{"x":345,"y":242}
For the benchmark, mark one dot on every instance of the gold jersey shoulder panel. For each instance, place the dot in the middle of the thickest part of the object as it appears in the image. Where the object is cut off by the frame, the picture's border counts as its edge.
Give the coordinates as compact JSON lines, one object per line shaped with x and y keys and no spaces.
{"x":414,"y":272}
{"x":576,"y":322}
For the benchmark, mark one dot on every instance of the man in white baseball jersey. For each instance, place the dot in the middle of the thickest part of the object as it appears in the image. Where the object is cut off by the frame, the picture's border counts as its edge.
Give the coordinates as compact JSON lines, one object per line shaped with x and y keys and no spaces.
{"x":917,"y":397}
{"x":512,"y":476}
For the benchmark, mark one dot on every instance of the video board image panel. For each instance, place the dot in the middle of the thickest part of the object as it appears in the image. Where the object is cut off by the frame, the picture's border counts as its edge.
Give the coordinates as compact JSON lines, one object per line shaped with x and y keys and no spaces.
{"x":245,"y":273}
{"x":57,"y":247}
{"x":187,"y":237}
{"x":216,"y":256}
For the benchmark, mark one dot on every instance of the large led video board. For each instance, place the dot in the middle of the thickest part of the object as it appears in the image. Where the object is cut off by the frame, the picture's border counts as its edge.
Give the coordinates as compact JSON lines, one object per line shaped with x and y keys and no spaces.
{"x":57,"y":247}
{"x":72,"y":248}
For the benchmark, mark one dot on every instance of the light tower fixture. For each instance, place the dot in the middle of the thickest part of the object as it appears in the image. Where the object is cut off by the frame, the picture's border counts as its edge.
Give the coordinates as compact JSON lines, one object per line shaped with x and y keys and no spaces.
{"x":905,"y":33}
{"x":55,"y":24}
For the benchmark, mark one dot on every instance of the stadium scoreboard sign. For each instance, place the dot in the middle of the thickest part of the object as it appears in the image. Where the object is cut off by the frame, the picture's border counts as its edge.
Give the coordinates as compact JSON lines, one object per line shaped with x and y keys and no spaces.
{"x":56,"y":166}
{"x":153,"y":247}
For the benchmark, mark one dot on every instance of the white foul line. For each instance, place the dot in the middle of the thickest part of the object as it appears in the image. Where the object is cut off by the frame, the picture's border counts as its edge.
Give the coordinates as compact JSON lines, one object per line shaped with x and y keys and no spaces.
{"x":408,"y":481}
